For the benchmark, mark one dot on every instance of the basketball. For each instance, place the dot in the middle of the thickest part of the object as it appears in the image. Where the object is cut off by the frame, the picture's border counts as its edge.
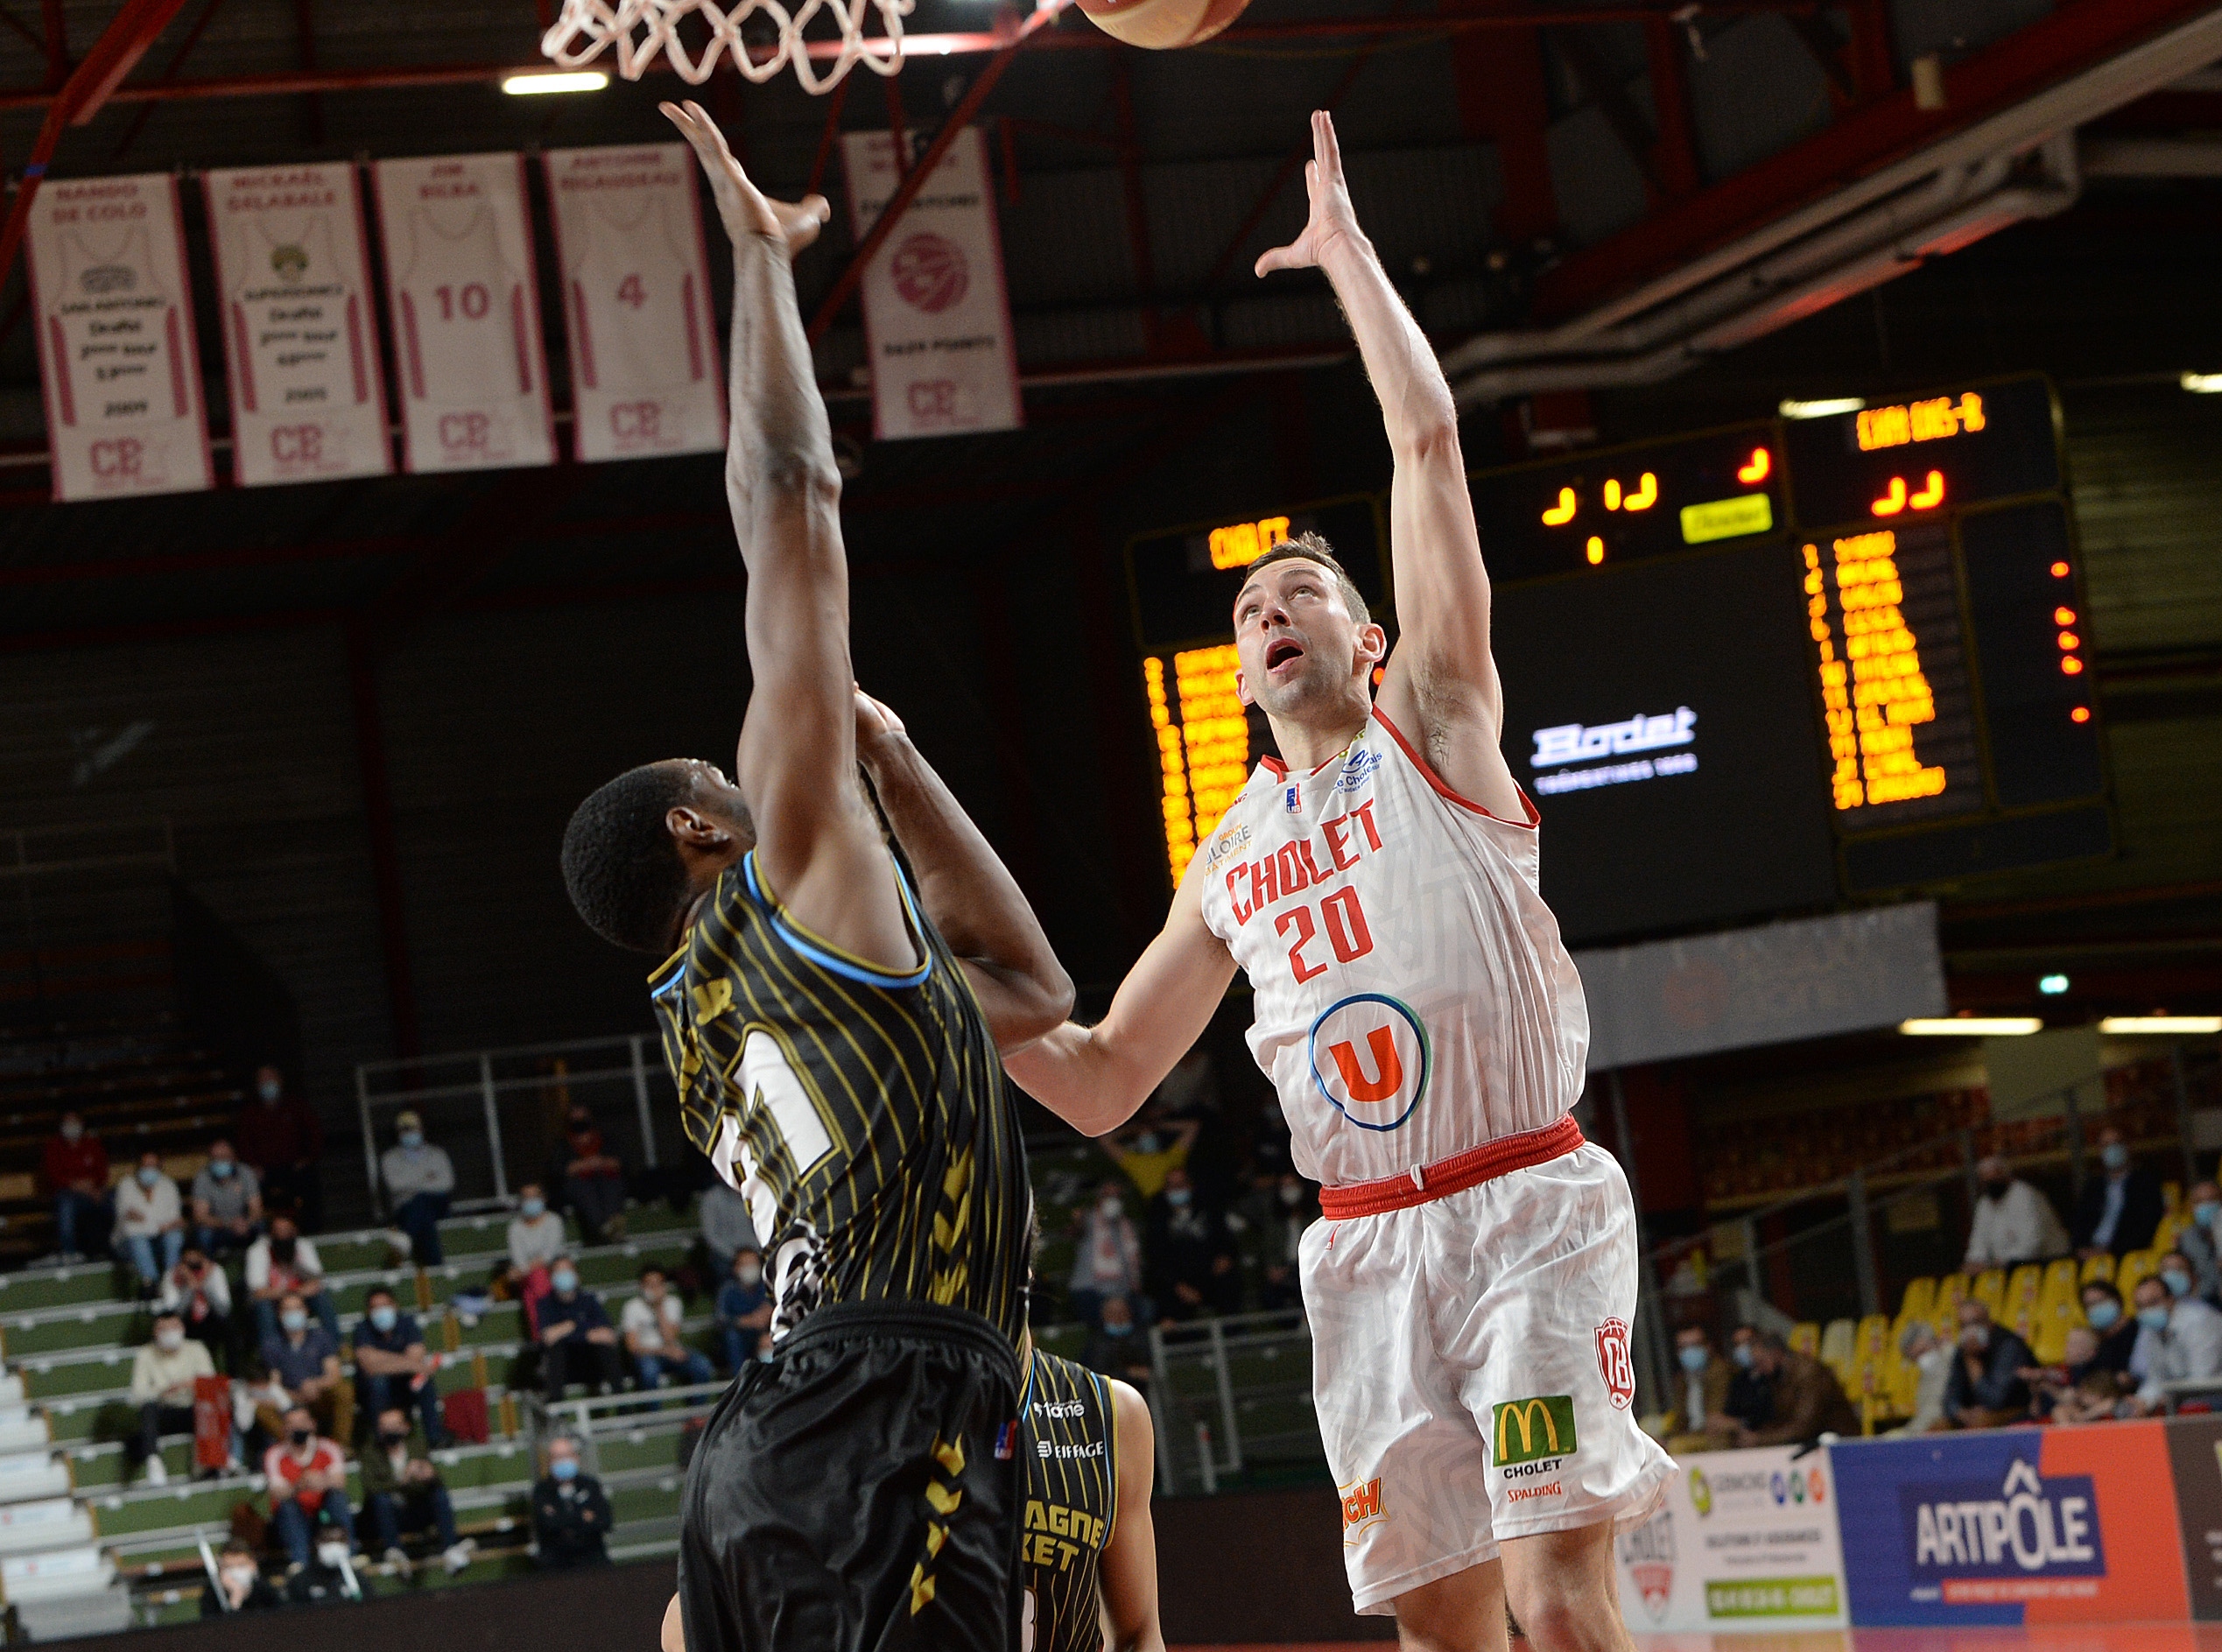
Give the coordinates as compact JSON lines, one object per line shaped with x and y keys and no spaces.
{"x":1159,"y":25}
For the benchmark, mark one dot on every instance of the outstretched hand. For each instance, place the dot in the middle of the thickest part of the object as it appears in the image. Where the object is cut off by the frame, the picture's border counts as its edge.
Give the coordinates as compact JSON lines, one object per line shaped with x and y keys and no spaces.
{"x":1332,"y":215}
{"x":745,"y":209}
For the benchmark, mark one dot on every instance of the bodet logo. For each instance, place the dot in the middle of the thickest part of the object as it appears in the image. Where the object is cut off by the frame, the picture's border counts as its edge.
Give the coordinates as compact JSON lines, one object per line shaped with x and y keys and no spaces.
{"x":1967,"y":1537}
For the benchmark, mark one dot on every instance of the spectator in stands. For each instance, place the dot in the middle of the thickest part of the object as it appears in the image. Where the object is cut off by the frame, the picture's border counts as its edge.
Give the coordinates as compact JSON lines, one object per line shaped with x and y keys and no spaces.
{"x":651,"y":1323}
{"x":570,"y":1514}
{"x":592,"y":1179}
{"x":420,"y":1178}
{"x":239,"y":1585}
{"x":2118,"y":1331}
{"x":1920,"y":1347}
{"x":577,"y":1343}
{"x":744,"y":1309}
{"x":2013,"y":1222}
{"x":1152,"y":1152}
{"x":392,"y":1370}
{"x":2183,"y":1340}
{"x":304,"y":1358}
{"x":536,"y":1232}
{"x":76,"y":1168}
{"x":2078,"y":1390}
{"x":226,"y":1202}
{"x":198,"y":1293}
{"x":163,"y":1373}
{"x":1117,"y":1347}
{"x":1986,"y":1388}
{"x":327,"y":1578}
{"x":1107,"y":1254}
{"x":2197,"y":1238}
{"x":1803,"y":1398}
{"x":307,"y":1477}
{"x":150,"y":1218}
{"x":1699,"y":1421}
{"x":1190,"y":1255}
{"x":280,"y":1135}
{"x":282,"y":1263}
{"x":402,"y":1492}
{"x":2122,"y":1210}
{"x":728,"y":1228}
{"x":1286,"y":1206}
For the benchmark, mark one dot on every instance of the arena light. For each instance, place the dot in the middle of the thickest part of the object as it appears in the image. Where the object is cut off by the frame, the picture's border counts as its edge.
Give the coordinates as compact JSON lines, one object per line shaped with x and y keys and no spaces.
{"x":2052,"y":986}
{"x":1971,"y":1026}
{"x":2176,"y":1025}
{"x":1827,"y":409}
{"x":2201,"y":384}
{"x":540,"y":85}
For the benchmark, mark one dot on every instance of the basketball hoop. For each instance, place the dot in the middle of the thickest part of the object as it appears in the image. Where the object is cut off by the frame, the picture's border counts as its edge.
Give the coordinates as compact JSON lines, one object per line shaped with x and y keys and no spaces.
{"x":640,"y":29}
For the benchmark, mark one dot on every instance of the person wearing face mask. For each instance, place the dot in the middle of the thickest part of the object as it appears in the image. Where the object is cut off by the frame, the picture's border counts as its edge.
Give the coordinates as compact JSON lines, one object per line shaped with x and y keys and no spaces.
{"x":198,"y":1293}
{"x":391,"y":1368}
{"x":239,"y":1585}
{"x":163,"y":1373}
{"x":577,"y":1343}
{"x":2013,"y":1222}
{"x":536,"y":1232}
{"x":744,"y":1310}
{"x":1119,"y":1346}
{"x":2121,"y":1209}
{"x":2117,"y":1330}
{"x":150,"y":1218}
{"x":331,"y":1575}
{"x":1150,"y":1154}
{"x":2180,"y":1337}
{"x":2196,"y":1240}
{"x":1699,"y":1421}
{"x":1106,"y":1254}
{"x":1986,"y":1388}
{"x":74,"y":1167}
{"x":282,"y":1263}
{"x":1922,"y":1349}
{"x":651,"y":1325}
{"x":281,"y":1135}
{"x":1285,"y":1206}
{"x":402,"y":1493}
{"x":1190,"y":1255}
{"x":1804,"y":1400}
{"x":592,"y":1178}
{"x":226,"y":1201}
{"x":420,"y":1179}
{"x":305,"y":1359}
{"x":569,"y":1512}
{"x":307,"y":1478}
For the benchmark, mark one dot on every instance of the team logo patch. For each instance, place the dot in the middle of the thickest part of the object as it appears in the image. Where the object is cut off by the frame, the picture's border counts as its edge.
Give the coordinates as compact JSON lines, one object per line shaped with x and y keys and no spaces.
{"x":1532,"y":1429}
{"x":1357,"y":770}
{"x":1613,"y":1364}
{"x":1361,"y":1507}
{"x":1370,"y":1059}
{"x":1292,"y":799}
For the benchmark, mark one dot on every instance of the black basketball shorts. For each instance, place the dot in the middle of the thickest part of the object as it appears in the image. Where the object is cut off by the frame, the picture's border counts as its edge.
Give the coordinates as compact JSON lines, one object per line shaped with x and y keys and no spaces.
{"x":862,"y":1493}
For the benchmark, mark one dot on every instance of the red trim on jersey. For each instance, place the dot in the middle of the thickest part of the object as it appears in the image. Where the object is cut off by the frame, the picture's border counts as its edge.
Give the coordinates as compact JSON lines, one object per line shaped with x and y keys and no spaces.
{"x":1280,"y":769}
{"x":1449,"y":796}
{"x":1424,"y":1182}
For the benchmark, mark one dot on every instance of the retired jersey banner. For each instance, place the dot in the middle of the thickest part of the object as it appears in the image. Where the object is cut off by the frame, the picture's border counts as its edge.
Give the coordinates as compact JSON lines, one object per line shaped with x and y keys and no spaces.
{"x":466,"y":318}
{"x":937,"y":315}
{"x":293,"y":280}
{"x":1746,"y":1540}
{"x":2014,"y":1527}
{"x":636,"y":302}
{"x":113,"y":312}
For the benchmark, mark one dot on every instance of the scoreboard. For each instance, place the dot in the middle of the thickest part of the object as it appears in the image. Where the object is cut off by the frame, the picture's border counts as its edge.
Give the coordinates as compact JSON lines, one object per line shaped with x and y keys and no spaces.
{"x":1746,"y":670}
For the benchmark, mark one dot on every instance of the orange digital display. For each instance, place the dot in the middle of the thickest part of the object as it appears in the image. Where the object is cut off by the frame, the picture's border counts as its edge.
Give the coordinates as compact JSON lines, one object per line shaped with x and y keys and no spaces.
{"x":1932,"y":420}
{"x":1203,"y":742}
{"x":1245,"y":542}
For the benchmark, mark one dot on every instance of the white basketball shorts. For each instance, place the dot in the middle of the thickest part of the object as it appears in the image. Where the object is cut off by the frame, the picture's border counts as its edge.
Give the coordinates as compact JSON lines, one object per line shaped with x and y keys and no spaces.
{"x":1471,"y":1363}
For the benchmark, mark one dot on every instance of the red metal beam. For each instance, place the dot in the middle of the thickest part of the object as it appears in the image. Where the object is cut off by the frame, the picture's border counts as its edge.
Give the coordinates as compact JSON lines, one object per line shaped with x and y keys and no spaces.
{"x":834,"y":106}
{"x":185,"y":50}
{"x":1675,"y":156}
{"x":2001,"y":74}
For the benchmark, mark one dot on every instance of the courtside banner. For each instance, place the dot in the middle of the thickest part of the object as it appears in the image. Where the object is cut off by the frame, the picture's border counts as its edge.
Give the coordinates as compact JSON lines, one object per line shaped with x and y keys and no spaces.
{"x":293,"y":280}
{"x":936,"y":314}
{"x":1746,"y":1540}
{"x":2014,"y":1527}
{"x":112,"y":309}
{"x":465,"y":319}
{"x":2195,"y":1452}
{"x":636,"y":302}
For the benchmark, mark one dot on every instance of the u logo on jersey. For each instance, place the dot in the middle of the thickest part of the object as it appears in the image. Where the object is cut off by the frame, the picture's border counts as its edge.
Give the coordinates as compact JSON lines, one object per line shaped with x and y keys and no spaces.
{"x":1370,"y":1059}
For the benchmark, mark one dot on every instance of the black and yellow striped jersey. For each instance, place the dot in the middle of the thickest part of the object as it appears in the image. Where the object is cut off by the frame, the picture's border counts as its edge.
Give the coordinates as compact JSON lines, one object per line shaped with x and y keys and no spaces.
{"x":1072,"y":1453}
{"x":863,"y":1113}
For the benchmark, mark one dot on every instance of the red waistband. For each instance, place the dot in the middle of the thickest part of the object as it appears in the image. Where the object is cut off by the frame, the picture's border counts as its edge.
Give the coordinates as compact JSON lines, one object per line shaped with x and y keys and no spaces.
{"x":1445,"y":1177}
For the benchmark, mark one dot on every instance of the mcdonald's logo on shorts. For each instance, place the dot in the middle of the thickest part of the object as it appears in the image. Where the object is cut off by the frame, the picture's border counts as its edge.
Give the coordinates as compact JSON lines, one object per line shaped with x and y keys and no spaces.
{"x":1528,"y":1431}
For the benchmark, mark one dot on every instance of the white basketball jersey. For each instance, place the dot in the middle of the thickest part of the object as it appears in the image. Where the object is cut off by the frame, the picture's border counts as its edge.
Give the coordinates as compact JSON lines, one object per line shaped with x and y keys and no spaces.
{"x":464,"y":345}
{"x":648,"y":340}
{"x":1413,"y":998}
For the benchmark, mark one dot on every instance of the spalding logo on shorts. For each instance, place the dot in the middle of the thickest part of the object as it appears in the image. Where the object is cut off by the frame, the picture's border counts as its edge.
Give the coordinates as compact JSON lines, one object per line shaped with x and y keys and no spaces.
{"x":1370,"y":1059}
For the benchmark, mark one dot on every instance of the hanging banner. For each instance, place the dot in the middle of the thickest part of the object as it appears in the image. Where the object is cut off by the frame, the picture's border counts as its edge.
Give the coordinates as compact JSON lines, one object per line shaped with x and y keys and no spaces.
{"x":1745,"y":1540}
{"x":644,"y":377}
{"x":936,"y":314}
{"x":113,"y":312}
{"x":293,"y":278}
{"x":465,"y":319}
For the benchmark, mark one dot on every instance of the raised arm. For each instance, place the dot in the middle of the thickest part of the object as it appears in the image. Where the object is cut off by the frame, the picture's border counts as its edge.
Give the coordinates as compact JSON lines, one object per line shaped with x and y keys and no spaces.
{"x":1094,"y":1077}
{"x":965,"y":889}
{"x":1441,"y":688}
{"x":817,"y":845}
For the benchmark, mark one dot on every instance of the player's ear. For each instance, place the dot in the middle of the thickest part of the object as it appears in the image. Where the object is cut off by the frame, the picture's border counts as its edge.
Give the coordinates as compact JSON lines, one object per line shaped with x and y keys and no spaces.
{"x":1242,"y":689}
{"x":691,"y":827}
{"x":1372,"y":644}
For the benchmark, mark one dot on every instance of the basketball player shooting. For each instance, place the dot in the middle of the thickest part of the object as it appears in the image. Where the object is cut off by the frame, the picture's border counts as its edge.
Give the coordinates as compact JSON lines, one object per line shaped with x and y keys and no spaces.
{"x":1470,"y":1282}
{"x":834,"y":1039}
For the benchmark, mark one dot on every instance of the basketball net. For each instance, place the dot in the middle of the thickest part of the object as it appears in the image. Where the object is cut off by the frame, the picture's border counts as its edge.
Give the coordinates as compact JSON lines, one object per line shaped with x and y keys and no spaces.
{"x":640,"y":29}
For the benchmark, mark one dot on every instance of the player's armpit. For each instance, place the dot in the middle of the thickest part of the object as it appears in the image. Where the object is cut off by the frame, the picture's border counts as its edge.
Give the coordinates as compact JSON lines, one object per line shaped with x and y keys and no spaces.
{"x":1129,"y":1569}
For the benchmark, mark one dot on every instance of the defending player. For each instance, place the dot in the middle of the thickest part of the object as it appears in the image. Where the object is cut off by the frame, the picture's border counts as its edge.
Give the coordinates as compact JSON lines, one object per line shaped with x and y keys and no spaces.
{"x":1471,"y":1284}
{"x":834,"y":1039}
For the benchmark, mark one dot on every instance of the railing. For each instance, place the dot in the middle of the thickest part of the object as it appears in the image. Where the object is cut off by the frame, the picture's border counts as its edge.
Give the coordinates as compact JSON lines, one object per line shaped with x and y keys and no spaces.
{"x":1232,"y":1397}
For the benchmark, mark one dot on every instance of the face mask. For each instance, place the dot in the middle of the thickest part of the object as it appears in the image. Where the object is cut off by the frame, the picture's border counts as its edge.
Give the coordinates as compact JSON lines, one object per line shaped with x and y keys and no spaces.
{"x":270,"y":1089}
{"x":2114,"y":1155}
{"x":1110,"y":1207}
{"x":1995,"y":1189}
{"x":1742,"y":1354}
{"x":1975,"y":1338}
{"x":148,"y":1176}
{"x":1147,"y":1142}
{"x":413,"y":1138}
{"x":331,"y":1554}
{"x":388,"y":1439}
{"x":564,"y":1468}
{"x":282,"y":1248}
{"x":2179,"y":1281}
{"x":300,"y":1435}
{"x":169,"y":1341}
{"x":2153,"y":1318}
{"x":1693,"y":1360}
{"x":1178,"y":1198}
{"x":2204,"y":1212}
{"x":2102,"y":1314}
{"x":384,"y":1317}
{"x":1110,"y":1330}
{"x":72,"y":1130}
{"x":1292,"y":1196}
{"x":239,"y":1577}
{"x":220,"y":1168}
{"x":749,"y":1273}
{"x":565,"y":1280}
{"x":294,"y":1321}
{"x":533,"y":1208}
